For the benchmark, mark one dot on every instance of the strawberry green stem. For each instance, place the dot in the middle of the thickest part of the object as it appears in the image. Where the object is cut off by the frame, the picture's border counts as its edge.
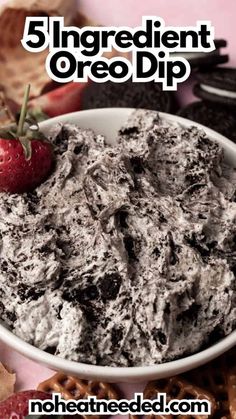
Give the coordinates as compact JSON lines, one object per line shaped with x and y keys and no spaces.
{"x":20,"y":128}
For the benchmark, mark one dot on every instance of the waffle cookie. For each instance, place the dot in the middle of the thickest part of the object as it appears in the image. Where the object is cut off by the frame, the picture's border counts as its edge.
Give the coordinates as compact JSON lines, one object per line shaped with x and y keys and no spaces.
{"x":231,"y":386}
{"x":178,"y":388}
{"x":212,"y":377}
{"x":74,"y":388}
{"x":219,"y":378}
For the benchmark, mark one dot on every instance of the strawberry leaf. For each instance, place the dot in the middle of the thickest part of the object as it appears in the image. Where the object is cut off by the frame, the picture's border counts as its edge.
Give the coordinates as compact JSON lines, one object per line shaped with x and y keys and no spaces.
{"x":35,"y":135}
{"x":8,"y":132}
{"x":26,"y":144}
{"x":26,"y":130}
{"x":38,"y":114}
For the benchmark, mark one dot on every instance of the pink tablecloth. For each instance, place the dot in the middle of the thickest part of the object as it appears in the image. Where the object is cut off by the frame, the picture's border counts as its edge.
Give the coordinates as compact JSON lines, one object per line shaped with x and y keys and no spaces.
{"x":175,"y":12}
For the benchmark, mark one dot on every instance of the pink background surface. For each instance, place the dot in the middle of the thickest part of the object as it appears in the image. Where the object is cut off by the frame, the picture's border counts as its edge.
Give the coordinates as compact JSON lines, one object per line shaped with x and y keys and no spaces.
{"x":222,"y":14}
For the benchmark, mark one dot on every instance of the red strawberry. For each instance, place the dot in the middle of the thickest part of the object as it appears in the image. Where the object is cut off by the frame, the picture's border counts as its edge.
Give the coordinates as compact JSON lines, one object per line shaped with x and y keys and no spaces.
{"x":17,"y":405}
{"x":25,"y":156}
{"x":64,"y":99}
{"x":18,"y":174}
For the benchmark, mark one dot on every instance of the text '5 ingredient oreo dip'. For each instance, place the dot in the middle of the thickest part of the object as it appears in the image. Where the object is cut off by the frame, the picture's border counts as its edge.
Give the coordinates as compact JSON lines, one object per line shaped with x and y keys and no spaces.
{"x":125,"y":255}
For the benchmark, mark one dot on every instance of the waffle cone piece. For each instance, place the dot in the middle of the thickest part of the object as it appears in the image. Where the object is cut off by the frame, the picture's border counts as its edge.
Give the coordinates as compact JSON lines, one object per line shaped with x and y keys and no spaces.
{"x":6,"y":115}
{"x":19,"y":67}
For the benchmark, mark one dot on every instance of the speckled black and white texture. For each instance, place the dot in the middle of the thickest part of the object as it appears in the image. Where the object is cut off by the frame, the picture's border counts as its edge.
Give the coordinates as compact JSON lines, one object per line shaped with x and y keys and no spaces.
{"x":126,"y":255}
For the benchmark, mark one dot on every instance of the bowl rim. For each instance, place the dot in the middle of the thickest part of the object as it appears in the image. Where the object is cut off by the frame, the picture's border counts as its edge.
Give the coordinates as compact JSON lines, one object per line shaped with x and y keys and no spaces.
{"x":118,"y":374}
{"x":128,"y":374}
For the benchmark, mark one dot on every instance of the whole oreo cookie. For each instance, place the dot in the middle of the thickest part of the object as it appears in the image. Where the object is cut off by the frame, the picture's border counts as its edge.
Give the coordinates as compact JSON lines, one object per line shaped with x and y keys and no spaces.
{"x":212,"y":115}
{"x":218,"y":85}
{"x":206,"y":60}
{"x":126,"y":95}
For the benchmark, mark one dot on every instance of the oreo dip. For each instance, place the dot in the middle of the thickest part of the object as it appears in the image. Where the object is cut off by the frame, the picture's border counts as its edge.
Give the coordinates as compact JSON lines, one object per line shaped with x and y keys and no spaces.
{"x":126,"y":255}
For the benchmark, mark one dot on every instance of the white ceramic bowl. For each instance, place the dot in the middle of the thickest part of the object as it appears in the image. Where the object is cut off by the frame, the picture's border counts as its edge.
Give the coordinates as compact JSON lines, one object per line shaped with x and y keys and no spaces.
{"x":108,"y":122}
